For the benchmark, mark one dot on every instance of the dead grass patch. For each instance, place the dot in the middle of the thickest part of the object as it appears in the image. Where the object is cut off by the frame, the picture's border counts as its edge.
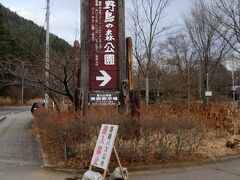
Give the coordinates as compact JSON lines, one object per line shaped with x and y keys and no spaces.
{"x":164,"y":133}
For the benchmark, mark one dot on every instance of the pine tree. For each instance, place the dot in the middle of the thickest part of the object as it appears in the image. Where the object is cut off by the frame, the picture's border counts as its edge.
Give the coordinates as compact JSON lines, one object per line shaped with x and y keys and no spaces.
{"x":5,"y":39}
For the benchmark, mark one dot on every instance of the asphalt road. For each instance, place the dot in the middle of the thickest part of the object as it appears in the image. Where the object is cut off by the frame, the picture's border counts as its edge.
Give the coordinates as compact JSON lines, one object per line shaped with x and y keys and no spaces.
{"x":19,"y":152}
{"x":20,"y":159}
{"x":220,"y":171}
{"x":9,"y":110}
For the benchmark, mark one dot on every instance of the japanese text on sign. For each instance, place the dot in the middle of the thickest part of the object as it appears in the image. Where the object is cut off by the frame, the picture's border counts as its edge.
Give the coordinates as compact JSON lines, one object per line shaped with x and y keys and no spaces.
{"x":103,"y":46}
{"x":104,"y":146}
{"x":104,"y":99}
{"x":109,"y":58}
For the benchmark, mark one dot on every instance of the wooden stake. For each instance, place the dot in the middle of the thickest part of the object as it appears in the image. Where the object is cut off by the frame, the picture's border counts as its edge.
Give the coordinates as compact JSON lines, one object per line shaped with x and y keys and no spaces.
{"x":104,"y":174}
{"x":119,"y":163}
{"x":107,"y":170}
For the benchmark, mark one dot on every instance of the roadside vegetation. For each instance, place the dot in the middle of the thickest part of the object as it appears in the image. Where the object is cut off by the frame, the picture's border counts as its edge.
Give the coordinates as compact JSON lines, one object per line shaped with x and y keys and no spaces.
{"x":170,"y":64}
{"x":170,"y":61}
{"x":165,"y":133}
{"x":11,"y":101}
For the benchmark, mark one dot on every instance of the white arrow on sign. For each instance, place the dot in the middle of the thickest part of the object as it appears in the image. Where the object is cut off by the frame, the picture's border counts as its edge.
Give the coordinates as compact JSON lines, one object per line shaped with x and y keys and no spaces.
{"x":105,"y":78}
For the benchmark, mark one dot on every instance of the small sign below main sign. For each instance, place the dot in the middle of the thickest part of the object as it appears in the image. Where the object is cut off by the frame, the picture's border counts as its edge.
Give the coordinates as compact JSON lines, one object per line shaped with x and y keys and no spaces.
{"x":104,"y":98}
{"x":104,"y":146}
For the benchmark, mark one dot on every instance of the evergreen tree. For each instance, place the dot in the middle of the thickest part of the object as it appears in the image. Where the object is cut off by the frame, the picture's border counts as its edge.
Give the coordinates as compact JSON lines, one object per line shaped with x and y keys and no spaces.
{"x":5,"y":39}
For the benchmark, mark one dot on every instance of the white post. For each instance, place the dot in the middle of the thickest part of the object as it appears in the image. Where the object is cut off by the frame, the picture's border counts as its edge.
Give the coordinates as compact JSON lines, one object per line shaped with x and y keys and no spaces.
{"x":233,"y":85}
{"x":207,"y":88}
{"x":47,"y":54}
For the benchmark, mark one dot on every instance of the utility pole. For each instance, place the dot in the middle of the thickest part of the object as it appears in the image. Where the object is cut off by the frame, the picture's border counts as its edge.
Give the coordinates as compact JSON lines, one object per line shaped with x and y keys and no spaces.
{"x":77,"y":99}
{"x":47,"y":54}
{"x":233,"y":78}
{"x":200,"y":82}
{"x":23,"y":82}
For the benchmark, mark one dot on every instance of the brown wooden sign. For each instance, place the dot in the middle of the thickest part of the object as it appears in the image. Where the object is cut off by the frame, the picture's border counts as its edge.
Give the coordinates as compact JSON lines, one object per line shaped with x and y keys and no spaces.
{"x":103,"y":45}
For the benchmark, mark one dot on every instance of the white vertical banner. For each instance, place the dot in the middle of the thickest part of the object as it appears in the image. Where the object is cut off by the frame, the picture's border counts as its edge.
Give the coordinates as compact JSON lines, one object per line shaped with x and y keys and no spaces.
{"x":104,"y":146}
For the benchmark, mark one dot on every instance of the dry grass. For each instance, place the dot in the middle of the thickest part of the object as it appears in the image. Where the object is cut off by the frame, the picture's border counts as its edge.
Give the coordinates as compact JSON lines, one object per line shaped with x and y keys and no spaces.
{"x":5,"y":101}
{"x":164,"y":133}
{"x":8,"y":101}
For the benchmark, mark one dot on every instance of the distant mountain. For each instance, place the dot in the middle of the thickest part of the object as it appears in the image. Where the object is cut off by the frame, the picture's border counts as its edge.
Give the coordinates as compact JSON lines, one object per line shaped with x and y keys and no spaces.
{"x":22,"y":39}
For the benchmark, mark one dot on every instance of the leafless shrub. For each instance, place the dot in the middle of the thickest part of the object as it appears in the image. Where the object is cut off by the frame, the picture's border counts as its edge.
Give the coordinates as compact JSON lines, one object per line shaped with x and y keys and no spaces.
{"x":166,"y":131}
{"x":188,"y":137}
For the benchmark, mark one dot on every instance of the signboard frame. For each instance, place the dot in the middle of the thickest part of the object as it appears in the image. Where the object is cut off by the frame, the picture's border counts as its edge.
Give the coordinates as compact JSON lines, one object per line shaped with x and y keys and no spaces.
{"x":104,"y":98}
{"x":208,"y":93}
{"x":105,"y":144}
{"x":103,"y":43}
{"x":84,"y":54}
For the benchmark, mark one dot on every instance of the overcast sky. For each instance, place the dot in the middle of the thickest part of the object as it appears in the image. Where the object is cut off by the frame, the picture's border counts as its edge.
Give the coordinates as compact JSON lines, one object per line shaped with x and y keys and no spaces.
{"x":65,"y":20}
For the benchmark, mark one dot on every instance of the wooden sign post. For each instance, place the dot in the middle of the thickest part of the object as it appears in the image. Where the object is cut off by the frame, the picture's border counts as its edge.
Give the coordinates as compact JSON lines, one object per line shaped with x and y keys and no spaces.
{"x":104,"y":148}
{"x":103,"y":54}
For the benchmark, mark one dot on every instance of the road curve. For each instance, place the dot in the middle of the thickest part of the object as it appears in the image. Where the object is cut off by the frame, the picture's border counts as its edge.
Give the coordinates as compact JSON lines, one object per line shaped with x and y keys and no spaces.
{"x":9,"y":110}
{"x":19,"y":152}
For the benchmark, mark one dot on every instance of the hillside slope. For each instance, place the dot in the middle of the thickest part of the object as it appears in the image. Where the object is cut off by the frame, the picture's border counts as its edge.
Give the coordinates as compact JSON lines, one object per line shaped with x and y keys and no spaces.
{"x":22,"y":39}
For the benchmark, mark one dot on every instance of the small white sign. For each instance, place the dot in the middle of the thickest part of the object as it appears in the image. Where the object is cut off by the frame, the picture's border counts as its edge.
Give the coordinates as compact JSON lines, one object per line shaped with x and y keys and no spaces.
{"x":104,"y":146}
{"x":208,"y":93}
{"x":234,"y":88}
